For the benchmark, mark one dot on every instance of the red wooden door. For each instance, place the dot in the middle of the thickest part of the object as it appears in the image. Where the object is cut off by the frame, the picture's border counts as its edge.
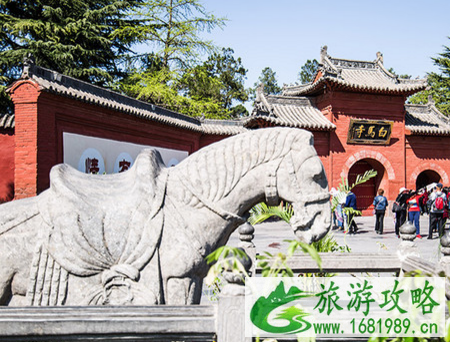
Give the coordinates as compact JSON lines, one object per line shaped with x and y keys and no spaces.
{"x":365,"y":193}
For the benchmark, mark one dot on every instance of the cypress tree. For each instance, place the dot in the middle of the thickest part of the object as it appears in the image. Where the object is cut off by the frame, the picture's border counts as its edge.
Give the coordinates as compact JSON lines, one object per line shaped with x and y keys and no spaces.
{"x":74,"y":37}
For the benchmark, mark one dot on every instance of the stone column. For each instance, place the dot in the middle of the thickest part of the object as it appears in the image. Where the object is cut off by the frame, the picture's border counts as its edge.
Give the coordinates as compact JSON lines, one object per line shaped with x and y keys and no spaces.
{"x":407,"y":246}
{"x":444,"y":263}
{"x":246,"y":236}
{"x":231,"y":308}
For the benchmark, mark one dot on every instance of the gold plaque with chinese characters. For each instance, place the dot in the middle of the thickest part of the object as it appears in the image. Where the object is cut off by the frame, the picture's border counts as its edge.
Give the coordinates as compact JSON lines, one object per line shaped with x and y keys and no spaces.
{"x":373,"y":132}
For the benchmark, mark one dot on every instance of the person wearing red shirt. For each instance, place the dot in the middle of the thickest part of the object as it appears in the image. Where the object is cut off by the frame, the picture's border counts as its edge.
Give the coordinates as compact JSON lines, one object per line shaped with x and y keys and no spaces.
{"x":414,"y":210}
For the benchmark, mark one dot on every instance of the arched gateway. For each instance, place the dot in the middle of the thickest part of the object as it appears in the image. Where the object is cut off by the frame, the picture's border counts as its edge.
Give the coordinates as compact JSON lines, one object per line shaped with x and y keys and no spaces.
{"x":427,"y":177}
{"x":427,"y":173}
{"x":366,"y":192}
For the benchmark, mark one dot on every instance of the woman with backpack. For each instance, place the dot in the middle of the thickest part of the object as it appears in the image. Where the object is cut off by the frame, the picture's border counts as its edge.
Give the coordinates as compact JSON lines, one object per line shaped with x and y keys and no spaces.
{"x":380,"y":203}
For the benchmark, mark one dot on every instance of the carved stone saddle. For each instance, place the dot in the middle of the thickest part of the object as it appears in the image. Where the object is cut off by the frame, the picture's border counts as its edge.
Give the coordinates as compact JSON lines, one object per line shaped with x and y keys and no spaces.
{"x":102,"y":224}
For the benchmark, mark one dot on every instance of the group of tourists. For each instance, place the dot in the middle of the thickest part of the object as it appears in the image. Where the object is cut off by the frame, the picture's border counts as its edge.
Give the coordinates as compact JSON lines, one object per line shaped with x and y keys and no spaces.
{"x":409,"y":205}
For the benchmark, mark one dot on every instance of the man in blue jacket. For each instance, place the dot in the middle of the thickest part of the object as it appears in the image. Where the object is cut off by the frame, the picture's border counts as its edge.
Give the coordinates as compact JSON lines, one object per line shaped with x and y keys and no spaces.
{"x":350,"y":202}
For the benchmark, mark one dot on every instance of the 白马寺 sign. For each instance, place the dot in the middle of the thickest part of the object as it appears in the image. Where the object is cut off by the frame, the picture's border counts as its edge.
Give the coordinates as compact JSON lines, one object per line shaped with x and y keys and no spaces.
{"x":369,"y":132}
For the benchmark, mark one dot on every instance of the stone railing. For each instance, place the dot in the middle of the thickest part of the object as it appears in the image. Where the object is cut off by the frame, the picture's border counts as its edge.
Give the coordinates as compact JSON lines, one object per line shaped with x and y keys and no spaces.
{"x":222,"y":322}
{"x":155,"y":323}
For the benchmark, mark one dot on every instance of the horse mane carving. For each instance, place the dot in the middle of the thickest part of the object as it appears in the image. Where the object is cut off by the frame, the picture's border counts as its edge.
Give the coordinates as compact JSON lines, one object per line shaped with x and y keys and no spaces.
{"x":215,"y":171}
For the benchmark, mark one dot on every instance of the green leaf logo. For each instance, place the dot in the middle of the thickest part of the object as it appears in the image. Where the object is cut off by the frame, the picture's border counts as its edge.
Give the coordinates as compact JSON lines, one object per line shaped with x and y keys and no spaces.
{"x":262,"y":308}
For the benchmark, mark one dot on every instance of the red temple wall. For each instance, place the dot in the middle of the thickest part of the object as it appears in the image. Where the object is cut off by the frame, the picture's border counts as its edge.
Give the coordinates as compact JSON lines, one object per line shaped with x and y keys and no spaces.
{"x":6,"y":165}
{"x":427,"y":153}
{"x":206,"y":140}
{"x":26,"y":136}
{"x":42,"y":118}
{"x":344,"y":106}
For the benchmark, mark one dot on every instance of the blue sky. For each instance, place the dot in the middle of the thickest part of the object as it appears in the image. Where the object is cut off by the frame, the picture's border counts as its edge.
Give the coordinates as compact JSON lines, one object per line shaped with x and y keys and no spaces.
{"x":283,"y":34}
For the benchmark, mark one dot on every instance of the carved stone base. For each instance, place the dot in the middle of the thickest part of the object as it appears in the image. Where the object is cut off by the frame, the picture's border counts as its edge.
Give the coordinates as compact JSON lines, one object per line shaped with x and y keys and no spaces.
{"x":127,"y":323}
{"x":407,"y":248}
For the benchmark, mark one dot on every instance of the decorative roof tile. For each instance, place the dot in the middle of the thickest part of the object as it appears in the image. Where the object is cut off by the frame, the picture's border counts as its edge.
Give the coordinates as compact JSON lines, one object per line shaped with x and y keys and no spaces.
{"x":356,"y":76}
{"x":7,"y":121}
{"x":54,"y":82}
{"x":289,"y":111}
{"x":426,"y":120}
{"x":223,"y":127}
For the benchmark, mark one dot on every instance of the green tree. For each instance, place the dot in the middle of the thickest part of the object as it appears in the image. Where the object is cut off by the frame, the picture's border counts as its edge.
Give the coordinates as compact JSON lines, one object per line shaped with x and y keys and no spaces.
{"x":438,"y":84}
{"x":404,"y":76}
{"x":161,"y":87}
{"x":268,"y":78}
{"x":172,"y":75}
{"x":212,"y":89}
{"x":171,"y":28}
{"x":308,"y":71}
{"x":74,"y":37}
{"x":229,"y":73}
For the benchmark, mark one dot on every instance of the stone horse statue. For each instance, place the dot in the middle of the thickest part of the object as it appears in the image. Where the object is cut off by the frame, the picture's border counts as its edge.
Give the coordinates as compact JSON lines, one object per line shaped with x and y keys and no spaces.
{"x":140,"y":237}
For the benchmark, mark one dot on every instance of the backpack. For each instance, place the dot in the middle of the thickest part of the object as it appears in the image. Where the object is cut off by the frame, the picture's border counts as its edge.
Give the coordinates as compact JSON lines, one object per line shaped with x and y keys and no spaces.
{"x":439,"y":203}
{"x":396,"y":208}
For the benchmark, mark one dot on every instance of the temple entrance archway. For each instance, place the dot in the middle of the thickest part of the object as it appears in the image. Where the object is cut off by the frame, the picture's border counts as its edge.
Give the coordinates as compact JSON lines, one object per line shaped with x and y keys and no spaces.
{"x":427,"y":177}
{"x":366,"y":192}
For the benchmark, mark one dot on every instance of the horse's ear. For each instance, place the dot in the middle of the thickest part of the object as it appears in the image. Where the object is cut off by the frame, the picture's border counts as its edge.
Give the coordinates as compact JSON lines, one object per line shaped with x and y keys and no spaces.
{"x":149,"y":165}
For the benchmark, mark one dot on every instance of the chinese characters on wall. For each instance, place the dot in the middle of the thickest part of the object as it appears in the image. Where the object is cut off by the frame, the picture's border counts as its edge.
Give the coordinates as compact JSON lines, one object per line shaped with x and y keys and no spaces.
{"x":376,"y":132}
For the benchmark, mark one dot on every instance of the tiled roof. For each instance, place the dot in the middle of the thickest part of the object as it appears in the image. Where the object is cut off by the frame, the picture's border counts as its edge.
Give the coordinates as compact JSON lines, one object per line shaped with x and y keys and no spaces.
{"x":223,"y":127}
{"x":54,"y":82}
{"x":7,"y":121}
{"x":426,"y":120}
{"x":356,"y":76}
{"x":289,"y":111}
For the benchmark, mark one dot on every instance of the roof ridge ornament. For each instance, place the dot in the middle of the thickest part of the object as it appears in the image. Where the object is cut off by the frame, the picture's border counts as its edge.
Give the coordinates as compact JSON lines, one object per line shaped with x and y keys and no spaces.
{"x":259,"y":92}
{"x":323,"y":53}
{"x":327,"y":64}
{"x":380,"y":57}
{"x":28,"y":61}
{"x":431,"y":105}
{"x":261,"y":101}
{"x":380,"y":63}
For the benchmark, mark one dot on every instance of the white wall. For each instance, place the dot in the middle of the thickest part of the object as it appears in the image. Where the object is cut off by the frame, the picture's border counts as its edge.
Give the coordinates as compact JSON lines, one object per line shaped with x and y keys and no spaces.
{"x":76,"y":148}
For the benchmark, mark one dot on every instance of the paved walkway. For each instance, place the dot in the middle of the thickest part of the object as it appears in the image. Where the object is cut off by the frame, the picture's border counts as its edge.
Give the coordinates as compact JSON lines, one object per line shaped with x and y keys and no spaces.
{"x":270,"y":237}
